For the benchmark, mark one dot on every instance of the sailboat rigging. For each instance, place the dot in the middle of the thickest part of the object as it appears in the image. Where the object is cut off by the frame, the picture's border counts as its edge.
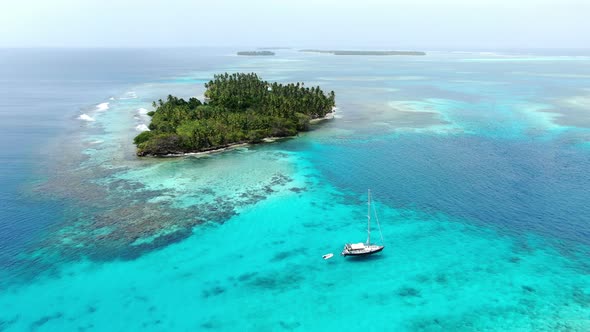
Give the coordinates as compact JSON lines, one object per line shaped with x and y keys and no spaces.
{"x":361,"y":249}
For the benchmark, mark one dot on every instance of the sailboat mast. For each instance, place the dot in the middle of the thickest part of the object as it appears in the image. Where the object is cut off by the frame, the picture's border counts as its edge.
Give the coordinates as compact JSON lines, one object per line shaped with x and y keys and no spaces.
{"x":369,"y":218}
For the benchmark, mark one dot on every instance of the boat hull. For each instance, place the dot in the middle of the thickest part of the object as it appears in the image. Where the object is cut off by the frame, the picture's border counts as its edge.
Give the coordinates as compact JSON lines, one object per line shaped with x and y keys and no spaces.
{"x":363,"y":252}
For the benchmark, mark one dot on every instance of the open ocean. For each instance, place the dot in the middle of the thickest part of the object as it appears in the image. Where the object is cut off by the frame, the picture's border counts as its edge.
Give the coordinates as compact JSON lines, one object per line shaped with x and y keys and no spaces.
{"x":479,"y":164}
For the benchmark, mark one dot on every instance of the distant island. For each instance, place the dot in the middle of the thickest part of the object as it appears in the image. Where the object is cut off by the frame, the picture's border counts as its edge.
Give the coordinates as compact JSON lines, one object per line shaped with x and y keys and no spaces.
{"x":256,"y":53}
{"x":344,"y":52}
{"x":239,"y":108}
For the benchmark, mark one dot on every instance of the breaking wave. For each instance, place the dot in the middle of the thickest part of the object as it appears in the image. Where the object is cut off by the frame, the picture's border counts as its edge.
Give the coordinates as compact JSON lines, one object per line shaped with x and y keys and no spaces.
{"x":142,"y":127}
{"x":102,"y":107}
{"x":129,"y":95}
{"x":86,"y":117}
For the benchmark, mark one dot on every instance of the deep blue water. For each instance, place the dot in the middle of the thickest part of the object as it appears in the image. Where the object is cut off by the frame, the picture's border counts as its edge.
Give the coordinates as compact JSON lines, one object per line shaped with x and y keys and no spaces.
{"x":516,"y":186}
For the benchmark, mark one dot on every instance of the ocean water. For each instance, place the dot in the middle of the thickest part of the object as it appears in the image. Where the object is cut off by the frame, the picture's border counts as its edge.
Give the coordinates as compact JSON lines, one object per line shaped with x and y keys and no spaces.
{"x":478,"y":163}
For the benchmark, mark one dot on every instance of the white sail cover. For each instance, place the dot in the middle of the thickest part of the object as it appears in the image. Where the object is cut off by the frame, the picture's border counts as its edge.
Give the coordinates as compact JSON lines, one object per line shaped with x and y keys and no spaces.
{"x":357,"y":246}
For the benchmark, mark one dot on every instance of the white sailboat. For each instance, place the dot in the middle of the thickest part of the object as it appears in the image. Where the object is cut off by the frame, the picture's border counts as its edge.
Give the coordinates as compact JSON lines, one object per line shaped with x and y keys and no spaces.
{"x":361,"y":249}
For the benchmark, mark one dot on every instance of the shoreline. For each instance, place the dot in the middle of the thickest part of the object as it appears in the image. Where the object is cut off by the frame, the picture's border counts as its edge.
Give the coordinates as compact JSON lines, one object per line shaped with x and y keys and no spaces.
{"x":199,"y":153}
{"x":232,"y":146}
{"x":217,"y":150}
{"x":328,"y":116}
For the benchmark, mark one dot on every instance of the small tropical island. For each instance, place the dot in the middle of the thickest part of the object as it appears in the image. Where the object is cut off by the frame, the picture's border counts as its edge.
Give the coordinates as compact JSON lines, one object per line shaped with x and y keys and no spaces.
{"x":345,"y":52}
{"x":256,"y":53}
{"x":239,"y":108}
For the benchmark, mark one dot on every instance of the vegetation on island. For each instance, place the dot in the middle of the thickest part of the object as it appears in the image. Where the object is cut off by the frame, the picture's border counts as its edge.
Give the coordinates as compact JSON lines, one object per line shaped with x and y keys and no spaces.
{"x":256,"y":53}
{"x":239,"y":108}
{"x":344,"y":52}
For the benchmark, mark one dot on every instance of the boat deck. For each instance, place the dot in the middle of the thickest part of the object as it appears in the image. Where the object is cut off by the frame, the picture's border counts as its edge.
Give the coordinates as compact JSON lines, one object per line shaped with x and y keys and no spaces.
{"x":354,"y":250}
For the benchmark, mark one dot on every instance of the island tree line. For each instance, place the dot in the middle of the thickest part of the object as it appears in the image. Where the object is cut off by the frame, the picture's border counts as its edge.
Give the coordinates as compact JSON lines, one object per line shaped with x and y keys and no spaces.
{"x":238,"y":108}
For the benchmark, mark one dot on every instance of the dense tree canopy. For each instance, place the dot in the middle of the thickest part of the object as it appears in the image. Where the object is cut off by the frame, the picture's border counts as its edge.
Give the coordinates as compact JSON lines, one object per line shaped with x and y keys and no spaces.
{"x":238,"y":108}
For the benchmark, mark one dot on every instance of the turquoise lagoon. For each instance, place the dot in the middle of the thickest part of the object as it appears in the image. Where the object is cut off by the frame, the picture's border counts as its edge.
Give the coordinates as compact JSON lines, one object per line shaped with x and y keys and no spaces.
{"x":479,"y":164}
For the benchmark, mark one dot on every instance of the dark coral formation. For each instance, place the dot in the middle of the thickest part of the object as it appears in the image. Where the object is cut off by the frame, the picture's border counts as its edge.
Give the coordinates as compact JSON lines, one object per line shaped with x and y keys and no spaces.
{"x":126,"y":232}
{"x":581,"y":297}
{"x":5,"y":324}
{"x":213,"y":291}
{"x":289,"y":325}
{"x":282,"y":255}
{"x":297,"y":189}
{"x":408,"y":292}
{"x":121,"y":219}
{"x":280,"y":280}
{"x":41,"y":321}
{"x":441,"y":278}
{"x":247,"y":276}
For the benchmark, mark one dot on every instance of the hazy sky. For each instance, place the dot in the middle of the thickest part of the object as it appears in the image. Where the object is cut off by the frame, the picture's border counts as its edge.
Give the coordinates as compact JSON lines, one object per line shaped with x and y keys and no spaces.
{"x":395,"y":24}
